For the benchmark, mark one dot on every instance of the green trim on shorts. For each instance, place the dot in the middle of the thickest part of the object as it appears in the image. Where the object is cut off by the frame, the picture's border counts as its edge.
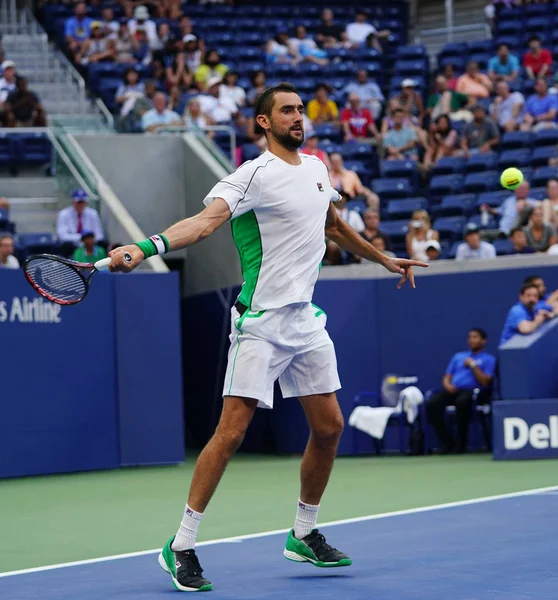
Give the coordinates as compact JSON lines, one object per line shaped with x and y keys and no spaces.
{"x":319,"y":311}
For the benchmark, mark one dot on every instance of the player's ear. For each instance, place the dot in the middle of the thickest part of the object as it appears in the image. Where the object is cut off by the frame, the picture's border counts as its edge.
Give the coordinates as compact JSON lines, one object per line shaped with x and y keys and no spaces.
{"x":263,"y":122}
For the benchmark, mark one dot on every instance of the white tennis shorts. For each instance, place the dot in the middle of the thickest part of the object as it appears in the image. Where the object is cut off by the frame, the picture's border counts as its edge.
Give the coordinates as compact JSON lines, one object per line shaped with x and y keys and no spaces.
{"x":289,"y":344}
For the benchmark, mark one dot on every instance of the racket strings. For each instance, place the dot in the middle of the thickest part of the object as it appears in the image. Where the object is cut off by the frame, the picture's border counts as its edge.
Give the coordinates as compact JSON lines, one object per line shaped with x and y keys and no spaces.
{"x":58,"y":280}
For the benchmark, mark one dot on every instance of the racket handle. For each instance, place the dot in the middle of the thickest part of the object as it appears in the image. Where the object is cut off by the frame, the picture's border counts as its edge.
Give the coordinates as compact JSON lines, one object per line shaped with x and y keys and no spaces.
{"x":103,"y":265}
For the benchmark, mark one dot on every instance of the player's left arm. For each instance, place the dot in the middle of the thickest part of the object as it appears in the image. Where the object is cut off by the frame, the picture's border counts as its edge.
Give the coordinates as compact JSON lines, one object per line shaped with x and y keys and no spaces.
{"x":338,"y":231}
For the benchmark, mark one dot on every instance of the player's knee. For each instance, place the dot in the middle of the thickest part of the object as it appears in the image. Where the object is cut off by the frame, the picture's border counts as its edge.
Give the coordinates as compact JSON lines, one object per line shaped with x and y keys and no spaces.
{"x":231,"y":437}
{"x":331,"y":429}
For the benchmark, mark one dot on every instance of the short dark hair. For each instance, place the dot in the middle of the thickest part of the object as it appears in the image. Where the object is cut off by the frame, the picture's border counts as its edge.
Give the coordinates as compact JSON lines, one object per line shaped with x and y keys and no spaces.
{"x":533,"y":38}
{"x":531,"y":279}
{"x":515,"y":230}
{"x":527,"y":286}
{"x":264,"y":102}
{"x":500,"y":45}
{"x":480,"y":331}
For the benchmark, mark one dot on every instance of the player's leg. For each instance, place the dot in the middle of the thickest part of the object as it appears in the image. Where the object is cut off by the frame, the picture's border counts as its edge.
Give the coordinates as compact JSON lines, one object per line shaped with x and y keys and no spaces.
{"x":436,"y":411}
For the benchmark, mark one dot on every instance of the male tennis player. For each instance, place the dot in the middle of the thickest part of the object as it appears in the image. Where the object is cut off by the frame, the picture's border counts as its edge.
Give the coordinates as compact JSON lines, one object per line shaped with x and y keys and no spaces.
{"x":279,"y":206}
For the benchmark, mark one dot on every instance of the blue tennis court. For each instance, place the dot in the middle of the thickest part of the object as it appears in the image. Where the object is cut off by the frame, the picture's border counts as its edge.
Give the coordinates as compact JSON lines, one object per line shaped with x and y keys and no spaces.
{"x":497,"y":549}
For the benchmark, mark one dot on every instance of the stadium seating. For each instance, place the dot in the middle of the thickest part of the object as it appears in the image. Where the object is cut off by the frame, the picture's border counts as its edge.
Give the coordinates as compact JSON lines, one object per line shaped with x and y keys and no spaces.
{"x":401,"y":209}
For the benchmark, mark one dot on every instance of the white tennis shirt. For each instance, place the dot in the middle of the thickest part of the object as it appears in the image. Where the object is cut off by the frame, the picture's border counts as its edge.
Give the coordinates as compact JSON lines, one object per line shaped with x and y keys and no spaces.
{"x":278,"y":216}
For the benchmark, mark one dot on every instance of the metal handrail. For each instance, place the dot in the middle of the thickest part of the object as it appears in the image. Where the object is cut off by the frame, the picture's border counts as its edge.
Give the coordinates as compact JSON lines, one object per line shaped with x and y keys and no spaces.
{"x":105,"y":112}
{"x":450,"y":31}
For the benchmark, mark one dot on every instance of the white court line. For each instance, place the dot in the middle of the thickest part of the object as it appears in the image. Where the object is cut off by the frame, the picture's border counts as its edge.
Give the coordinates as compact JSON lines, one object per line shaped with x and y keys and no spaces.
{"x":251,"y":536}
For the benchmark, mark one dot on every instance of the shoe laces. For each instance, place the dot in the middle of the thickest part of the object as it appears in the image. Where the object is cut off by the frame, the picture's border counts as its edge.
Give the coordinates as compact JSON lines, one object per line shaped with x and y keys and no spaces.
{"x":317,"y":541}
{"x":193,"y":567}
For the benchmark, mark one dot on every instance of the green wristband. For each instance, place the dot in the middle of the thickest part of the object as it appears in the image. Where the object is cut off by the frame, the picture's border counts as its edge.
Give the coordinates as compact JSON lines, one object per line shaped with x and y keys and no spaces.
{"x":156,"y":244}
{"x":147,"y":247}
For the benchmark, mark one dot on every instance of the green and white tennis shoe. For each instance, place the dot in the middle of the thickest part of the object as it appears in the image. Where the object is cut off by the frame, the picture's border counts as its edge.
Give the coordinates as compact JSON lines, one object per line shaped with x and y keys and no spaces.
{"x":184,"y":568}
{"x":314,"y":549}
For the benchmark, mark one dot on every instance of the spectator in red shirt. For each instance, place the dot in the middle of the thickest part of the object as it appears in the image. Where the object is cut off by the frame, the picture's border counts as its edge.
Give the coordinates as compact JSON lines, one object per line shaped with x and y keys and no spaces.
{"x":537,"y":60}
{"x":311,"y":148}
{"x":358,"y":123}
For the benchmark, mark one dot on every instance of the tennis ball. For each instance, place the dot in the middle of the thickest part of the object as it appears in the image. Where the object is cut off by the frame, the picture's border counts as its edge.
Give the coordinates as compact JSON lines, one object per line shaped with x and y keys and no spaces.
{"x":511,"y":178}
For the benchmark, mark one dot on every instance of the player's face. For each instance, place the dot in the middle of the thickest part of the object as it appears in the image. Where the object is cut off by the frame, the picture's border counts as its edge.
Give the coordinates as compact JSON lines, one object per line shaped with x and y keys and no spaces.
{"x":286,"y":124}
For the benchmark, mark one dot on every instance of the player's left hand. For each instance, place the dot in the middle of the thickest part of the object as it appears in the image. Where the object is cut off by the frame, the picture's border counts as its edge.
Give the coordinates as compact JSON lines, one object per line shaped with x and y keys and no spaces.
{"x":404,"y":267}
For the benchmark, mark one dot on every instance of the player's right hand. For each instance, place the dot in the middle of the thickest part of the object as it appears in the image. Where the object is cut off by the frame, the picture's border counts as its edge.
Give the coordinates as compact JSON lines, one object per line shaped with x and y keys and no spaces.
{"x":119,"y":264}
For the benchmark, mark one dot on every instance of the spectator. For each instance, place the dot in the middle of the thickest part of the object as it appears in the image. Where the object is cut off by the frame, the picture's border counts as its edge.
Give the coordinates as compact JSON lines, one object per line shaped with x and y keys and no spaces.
{"x":141,"y":21}
{"x":89,"y":252}
{"x":514,"y":210}
{"x":108,"y":24}
{"x":372,"y":229}
{"x":129,"y":91}
{"x":335,"y":255}
{"x":550,"y":203}
{"x":481,"y":135}
{"x":547,"y":301}
{"x":178,"y":73}
{"x":451,"y":78}
{"x":444,"y":101}
{"x":358,"y":124}
{"x":523,"y":317}
{"x":72,"y":221}
{"x":306,"y":48}
{"x":98,"y":48}
{"x":540,"y":235}
{"x":410,"y":100}
{"x":194,"y":118}
{"x":368,"y":91}
{"x":311,"y":148}
{"x":443,"y":141}
{"x":473,"y":82}
{"x":504,"y":66}
{"x":23,"y":108}
{"x":388,"y":121}
{"x":212,"y":68}
{"x":230,"y":89}
{"x":540,"y":110}
{"x":159,"y":116}
{"x":378,"y":242}
{"x":7,"y":258}
{"x":473,"y":247}
{"x":433,"y":250}
{"x":141,"y":50}
{"x":467,"y":371}
{"x":7,"y":83}
{"x":144,"y":102}
{"x":192,"y":52}
{"x":77,"y":28}
{"x":508,"y":107}
{"x":257,"y":79}
{"x":123,"y":49}
{"x":400,"y":142}
{"x":419,"y":234}
{"x":279,"y":50}
{"x":166,"y":45}
{"x":328,"y":34}
{"x":220,"y":109}
{"x":321,"y":109}
{"x":358,"y":32}
{"x":347,"y":181}
{"x":537,"y":60}
{"x":519,"y":242}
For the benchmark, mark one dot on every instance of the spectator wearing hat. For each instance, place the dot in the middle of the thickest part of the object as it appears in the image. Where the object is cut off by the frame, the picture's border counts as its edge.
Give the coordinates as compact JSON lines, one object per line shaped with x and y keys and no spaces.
{"x":72,"y":221}
{"x":481,"y":134}
{"x":221,"y":109}
{"x":192,"y":53}
{"x":358,"y":123}
{"x":321,"y":109}
{"x":400,"y":142}
{"x":159,"y":116}
{"x":537,"y":60}
{"x":473,"y":246}
{"x":473,"y":82}
{"x":311,"y":148}
{"x":433,"y":250}
{"x":504,"y":66}
{"x":98,"y":48}
{"x":508,"y":107}
{"x":211,"y":69}
{"x":540,"y":109}
{"x":7,"y":258}
{"x":89,"y":252}
{"x":410,"y":100}
{"x":77,"y":29}
{"x":368,"y":91}
{"x":467,"y":371}
{"x":142,"y":22}
{"x":23,"y":107}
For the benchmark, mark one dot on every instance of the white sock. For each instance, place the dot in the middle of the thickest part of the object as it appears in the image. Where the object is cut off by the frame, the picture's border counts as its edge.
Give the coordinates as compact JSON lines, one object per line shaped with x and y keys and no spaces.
{"x":306,"y":517}
{"x":186,"y":535}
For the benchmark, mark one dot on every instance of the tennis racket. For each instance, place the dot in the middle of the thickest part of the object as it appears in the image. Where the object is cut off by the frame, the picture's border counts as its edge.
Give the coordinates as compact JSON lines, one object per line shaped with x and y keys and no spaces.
{"x":61,"y":280}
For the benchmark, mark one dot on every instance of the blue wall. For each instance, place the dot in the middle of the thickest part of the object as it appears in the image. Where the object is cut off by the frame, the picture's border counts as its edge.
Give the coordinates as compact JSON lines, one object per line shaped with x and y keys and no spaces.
{"x":98,"y":385}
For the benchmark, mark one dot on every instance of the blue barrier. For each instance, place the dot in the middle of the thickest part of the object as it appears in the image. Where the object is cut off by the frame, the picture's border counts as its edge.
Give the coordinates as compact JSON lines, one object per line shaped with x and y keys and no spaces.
{"x":91,"y":386}
{"x":525,"y":429}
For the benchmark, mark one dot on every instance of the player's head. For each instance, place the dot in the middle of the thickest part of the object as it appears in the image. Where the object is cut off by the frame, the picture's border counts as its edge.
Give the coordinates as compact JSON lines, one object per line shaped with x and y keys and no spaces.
{"x":279,"y":111}
{"x":477,"y":339}
{"x":538,"y":282}
{"x":529,"y":295}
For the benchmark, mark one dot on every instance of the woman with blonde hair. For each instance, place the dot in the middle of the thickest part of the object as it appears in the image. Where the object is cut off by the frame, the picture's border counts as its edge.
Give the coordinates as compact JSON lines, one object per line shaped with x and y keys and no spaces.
{"x":420,"y":232}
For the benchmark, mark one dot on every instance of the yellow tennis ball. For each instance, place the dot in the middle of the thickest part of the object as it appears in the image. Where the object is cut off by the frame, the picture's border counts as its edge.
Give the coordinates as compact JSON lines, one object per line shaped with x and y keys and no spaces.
{"x":511,"y":178}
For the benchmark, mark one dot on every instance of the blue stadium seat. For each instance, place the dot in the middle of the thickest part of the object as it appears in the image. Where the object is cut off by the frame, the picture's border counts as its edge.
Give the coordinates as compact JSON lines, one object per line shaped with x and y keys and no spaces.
{"x":458,"y":62}
{"x":361,"y":169}
{"x":481,"y":182}
{"x":400,"y":168}
{"x":448,"y":165}
{"x":250,"y":151}
{"x":396,"y":230}
{"x":328,"y":132}
{"x":520,"y":157}
{"x":482,"y":162}
{"x":38,"y":242}
{"x":517,"y":139}
{"x":443,"y":185}
{"x":547,"y":137}
{"x":358,"y":205}
{"x":478,"y":221}
{"x":542,"y":175}
{"x":481,"y":46}
{"x":454,"y":49}
{"x":388,"y":189}
{"x":356,"y":151}
{"x":510,"y":27}
{"x":450,"y":228}
{"x":330,"y":147}
{"x":7,"y":149}
{"x":411,"y":52}
{"x":493,"y":199}
{"x":403,"y":209}
{"x":510,"y":12}
{"x":456,"y":205}
{"x":538,"y":24}
{"x":541,"y":155}
{"x":481,"y":59}
{"x":503,"y":247}
{"x":33,"y":148}
{"x":411,"y":67}
{"x":538,"y":193}
{"x":536,"y":9}
{"x":453,"y":250}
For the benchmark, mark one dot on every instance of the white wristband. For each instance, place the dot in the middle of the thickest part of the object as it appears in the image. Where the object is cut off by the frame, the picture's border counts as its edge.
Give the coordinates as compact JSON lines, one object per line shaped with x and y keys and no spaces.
{"x":159,"y":243}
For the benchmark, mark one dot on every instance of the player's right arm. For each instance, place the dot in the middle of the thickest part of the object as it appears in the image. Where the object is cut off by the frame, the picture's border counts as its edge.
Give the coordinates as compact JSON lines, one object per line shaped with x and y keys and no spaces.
{"x":180,"y":235}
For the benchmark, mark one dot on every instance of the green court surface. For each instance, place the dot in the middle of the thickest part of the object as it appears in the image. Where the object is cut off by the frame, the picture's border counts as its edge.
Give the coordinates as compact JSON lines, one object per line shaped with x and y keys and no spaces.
{"x":63,"y":518}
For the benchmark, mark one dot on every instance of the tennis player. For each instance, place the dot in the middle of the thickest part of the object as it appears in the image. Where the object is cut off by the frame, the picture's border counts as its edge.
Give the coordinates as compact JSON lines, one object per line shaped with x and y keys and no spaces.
{"x":281,"y":208}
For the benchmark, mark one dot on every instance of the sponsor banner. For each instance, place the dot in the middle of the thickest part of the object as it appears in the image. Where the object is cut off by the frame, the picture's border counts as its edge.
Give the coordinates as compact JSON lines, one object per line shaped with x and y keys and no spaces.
{"x":525,"y":429}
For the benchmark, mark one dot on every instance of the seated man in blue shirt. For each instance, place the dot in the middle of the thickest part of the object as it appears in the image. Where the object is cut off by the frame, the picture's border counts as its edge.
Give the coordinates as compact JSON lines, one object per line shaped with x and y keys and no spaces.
{"x":524,"y":316}
{"x":546,"y":301}
{"x":504,"y":65}
{"x":467,"y":371}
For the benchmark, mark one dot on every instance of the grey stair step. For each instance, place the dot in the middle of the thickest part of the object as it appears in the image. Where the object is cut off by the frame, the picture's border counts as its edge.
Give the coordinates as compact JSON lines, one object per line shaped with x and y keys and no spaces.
{"x":29,"y":187}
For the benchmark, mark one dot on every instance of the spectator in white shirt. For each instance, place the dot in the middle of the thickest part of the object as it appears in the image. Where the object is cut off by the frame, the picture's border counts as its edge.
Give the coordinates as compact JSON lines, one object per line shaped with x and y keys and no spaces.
{"x":219,"y":108}
{"x":369,"y":93}
{"x":508,"y":108}
{"x":141,"y":19}
{"x":230,"y":89}
{"x":7,"y":84}
{"x":109,"y":25}
{"x":473,"y":247}
{"x":159,"y":116}
{"x":7,"y":258}
{"x":358,"y":31}
{"x":72,"y":221}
